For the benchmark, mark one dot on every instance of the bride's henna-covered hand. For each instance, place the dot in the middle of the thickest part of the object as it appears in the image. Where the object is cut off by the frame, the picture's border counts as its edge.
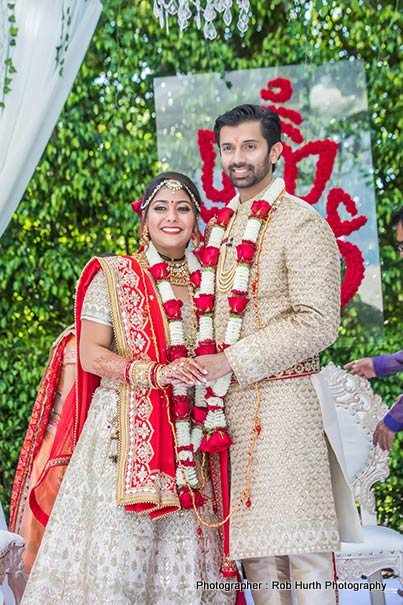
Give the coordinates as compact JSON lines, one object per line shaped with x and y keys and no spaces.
{"x":185,"y":371}
{"x":95,"y":352}
{"x":96,"y":357}
{"x":214,"y":366}
{"x":110,"y":365}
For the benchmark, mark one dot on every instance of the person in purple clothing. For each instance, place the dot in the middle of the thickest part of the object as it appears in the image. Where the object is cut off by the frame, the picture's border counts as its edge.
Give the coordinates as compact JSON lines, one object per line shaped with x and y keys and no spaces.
{"x":385,"y":365}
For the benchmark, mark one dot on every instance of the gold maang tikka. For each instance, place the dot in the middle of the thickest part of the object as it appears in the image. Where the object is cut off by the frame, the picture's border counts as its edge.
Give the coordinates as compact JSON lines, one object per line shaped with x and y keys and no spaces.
{"x":173,"y":185}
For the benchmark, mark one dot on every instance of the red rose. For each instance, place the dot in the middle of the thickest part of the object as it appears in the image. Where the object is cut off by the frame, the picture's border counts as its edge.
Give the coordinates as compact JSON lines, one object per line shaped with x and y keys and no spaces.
{"x":173,"y":309}
{"x":185,"y":498}
{"x":136,"y":206}
{"x":206,"y":347}
{"x":199,"y":500}
{"x":159,"y":271}
{"x":260,"y":209}
{"x":195,"y":278}
{"x":218,"y":441}
{"x":224,"y":216}
{"x":176,"y":352}
{"x":210,"y":256}
{"x":199,"y":415}
{"x":185,"y":448}
{"x":246,"y":253}
{"x":181,"y":407}
{"x":283,"y":93}
{"x":199,"y":252}
{"x":205,"y":302}
{"x":238,"y":304}
{"x":209,"y":393}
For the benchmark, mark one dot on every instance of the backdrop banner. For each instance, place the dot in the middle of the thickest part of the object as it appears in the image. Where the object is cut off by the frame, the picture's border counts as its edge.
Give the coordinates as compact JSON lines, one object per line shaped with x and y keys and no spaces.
{"x":326,"y":161}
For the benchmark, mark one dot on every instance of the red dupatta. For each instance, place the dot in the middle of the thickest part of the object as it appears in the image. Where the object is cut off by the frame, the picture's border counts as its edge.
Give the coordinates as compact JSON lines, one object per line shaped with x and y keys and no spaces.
{"x":43,"y":406}
{"x":146,"y":463}
{"x":146,"y":466}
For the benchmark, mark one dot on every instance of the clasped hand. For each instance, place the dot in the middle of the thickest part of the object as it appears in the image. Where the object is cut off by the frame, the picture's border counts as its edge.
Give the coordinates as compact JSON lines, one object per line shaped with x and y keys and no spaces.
{"x":189,"y":372}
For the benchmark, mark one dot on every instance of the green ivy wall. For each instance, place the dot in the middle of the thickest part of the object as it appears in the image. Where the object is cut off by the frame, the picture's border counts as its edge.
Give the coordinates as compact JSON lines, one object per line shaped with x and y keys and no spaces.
{"x":103,"y":150}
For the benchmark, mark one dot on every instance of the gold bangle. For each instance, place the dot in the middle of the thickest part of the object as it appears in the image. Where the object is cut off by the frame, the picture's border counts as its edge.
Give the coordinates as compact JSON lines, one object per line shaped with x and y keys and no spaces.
{"x":153,"y":375}
{"x":150,"y":373}
{"x":158,"y":373}
{"x":139,"y":374}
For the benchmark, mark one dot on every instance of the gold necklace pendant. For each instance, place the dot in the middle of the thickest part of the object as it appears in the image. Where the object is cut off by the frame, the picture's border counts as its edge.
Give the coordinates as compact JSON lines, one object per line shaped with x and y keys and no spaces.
{"x":178,"y":272}
{"x":225,"y":277}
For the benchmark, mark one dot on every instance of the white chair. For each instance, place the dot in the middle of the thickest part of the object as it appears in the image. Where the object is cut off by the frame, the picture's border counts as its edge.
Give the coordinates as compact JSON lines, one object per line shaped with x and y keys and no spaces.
{"x":358,"y":411}
{"x":12,"y":577}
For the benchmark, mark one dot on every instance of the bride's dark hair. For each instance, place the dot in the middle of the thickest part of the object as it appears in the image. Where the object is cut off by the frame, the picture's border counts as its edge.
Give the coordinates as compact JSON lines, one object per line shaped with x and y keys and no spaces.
{"x":152,"y":188}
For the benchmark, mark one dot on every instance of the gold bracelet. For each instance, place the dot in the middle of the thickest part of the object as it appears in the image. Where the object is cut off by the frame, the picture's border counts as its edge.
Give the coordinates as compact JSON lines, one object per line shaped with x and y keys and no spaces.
{"x":139,"y":374}
{"x":153,"y":376}
{"x":150,"y":373}
{"x":158,"y":373}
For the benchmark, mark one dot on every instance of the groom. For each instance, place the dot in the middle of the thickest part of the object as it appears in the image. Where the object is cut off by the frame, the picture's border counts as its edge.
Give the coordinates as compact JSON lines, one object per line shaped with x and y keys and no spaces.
{"x":286,"y":519}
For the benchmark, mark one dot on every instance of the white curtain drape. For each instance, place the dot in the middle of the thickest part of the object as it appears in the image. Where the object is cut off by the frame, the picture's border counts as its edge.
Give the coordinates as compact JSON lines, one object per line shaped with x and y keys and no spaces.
{"x":38,"y":91}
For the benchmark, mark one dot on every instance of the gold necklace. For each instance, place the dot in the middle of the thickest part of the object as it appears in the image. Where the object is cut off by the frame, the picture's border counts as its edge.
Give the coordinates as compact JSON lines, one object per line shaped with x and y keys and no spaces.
{"x":178,"y":269}
{"x":225,"y":277}
{"x":178,"y":272}
{"x":190,"y":327}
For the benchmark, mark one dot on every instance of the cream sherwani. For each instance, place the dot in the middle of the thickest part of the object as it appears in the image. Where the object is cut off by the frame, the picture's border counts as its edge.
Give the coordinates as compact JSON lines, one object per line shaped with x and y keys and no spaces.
{"x":301,"y":501}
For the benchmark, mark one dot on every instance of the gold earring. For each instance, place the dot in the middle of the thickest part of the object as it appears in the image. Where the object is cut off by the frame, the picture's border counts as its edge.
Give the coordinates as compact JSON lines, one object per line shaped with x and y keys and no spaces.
{"x":196,"y":239}
{"x":145,"y":237}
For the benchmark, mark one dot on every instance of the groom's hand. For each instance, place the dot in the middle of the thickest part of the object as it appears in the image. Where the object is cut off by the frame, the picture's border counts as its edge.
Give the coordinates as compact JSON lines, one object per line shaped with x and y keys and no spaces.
{"x":216,"y":365}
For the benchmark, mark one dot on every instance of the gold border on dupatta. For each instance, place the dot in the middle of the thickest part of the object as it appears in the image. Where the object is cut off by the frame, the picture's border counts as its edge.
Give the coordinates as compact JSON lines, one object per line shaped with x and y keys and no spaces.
{"x":123,"y":399}
{"x":18,"y":499}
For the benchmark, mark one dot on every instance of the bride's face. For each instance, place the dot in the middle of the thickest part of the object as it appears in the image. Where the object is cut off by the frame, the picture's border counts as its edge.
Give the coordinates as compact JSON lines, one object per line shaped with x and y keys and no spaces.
{"x":170,"y":220}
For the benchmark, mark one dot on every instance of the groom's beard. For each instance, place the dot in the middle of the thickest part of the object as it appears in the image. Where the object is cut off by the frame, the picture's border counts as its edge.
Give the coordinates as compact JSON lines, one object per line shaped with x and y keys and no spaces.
{"x":245,"y":175}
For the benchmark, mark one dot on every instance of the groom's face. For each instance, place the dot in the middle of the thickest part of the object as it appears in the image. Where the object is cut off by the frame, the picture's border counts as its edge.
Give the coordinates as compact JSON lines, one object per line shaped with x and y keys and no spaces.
{"x":245,"y":154}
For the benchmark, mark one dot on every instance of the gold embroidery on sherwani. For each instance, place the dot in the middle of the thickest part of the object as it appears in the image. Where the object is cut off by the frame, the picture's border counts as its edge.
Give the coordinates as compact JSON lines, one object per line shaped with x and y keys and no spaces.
{"x":298,"y":297}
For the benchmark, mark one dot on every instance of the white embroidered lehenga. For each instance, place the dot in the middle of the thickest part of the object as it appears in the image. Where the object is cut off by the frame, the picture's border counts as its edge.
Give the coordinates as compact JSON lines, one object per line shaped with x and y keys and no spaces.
{"x":95,"y":552}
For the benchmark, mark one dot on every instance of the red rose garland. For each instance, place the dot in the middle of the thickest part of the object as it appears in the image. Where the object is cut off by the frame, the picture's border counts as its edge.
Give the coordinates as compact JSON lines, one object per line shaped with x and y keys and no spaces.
{"x":326,"y":151}
{"x":181,"y":402}
{"x":215,"y":437}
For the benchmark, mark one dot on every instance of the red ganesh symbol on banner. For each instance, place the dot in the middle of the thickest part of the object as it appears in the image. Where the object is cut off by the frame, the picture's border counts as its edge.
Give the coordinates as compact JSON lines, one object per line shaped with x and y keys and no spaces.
{"x":280,"y":90}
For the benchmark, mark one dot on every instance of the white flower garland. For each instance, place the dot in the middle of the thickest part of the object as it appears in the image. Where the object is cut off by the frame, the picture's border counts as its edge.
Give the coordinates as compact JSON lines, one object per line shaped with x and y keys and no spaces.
{"x":215,"y":420}
{"x":185,"y":475}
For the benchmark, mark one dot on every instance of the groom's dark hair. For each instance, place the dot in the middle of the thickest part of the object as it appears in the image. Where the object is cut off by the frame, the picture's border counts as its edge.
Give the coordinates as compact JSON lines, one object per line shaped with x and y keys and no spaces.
{"x":269,"y":121}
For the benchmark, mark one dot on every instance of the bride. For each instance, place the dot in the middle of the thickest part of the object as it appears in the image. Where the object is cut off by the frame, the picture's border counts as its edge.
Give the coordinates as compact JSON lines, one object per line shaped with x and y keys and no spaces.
{"x":123,"y":528}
